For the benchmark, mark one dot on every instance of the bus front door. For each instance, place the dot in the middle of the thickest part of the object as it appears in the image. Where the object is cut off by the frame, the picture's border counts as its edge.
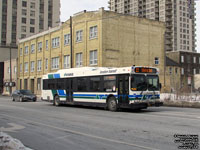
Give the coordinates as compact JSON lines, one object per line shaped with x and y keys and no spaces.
{"x":69,"y":90}
{"x":123,"y":89}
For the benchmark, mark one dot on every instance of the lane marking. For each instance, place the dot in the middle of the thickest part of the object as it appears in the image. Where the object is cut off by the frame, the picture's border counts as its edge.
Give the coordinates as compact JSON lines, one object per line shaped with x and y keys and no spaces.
{"x":82,"y":134}
{"x":13,"y":128}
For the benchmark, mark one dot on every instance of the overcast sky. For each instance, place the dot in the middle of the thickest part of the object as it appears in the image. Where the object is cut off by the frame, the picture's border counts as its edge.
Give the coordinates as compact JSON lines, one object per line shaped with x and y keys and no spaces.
{"x":74,"y":6}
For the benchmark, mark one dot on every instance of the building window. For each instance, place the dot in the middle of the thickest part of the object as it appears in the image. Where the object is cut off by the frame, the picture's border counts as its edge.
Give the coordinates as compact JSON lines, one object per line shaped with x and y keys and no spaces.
{"x":24,"y":4}
{"x":79,"y":35}
{"x":66,"y":61}
{"x":32,"y":21}
{"x":55,"y":63}
{"x":32,"y":29}
{"x":8,"y":70}
{"x":194,"y":71}
{"x":26,"y":67}
{"x":182,"y":59}
{"x":55,"y":42}
{"x":46,"y":63}
{"x":24,"y":20}
{"x":39,"y":46}
{"x":182,"y":71}
{"x":39,"y":84}
{"x":32,"y":13}
{"x":23,"y":28}
{"x":79,"y":60}
{"x":47,"y":44}
{"x":194,"y":59}
{"x":156,"y":61}
{"x":39,"y":65}
{"x":66,"y":39}
{"x":20,"y":67}
{"x":15,"y":69}
{"x":24,"y":12}
{"x":93,"y":57}
{"x":21,"y":52}
{"x":32,"y":5}
{"x":32,"y":48}
{"x":26,"y":50}
{"x":176,"y":70}
{"x":93,"y":32}
{"x":170,"y":70}
{"x":32,"y":66}
{"x":23,"y":36}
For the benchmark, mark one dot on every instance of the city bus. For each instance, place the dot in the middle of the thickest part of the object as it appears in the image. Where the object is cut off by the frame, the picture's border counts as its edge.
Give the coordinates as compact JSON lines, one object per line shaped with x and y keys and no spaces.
{"x":135,"y":87}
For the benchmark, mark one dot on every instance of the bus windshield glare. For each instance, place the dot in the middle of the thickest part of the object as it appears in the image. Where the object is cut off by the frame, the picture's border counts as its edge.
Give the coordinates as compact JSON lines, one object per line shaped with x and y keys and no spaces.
{"x":142,"y":82}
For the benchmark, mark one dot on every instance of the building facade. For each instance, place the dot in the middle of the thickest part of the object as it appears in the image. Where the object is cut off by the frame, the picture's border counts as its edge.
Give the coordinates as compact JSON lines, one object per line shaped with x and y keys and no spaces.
{"x":10,"y":74}
{"x":99,"y":39}
{"x":189,"y":66}
{"x":178,"y":15}
{"x":23,"y":18}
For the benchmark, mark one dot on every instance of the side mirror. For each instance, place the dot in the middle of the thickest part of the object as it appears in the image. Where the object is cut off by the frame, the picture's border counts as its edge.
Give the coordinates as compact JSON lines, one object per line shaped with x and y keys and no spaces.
{"x":160,"y":86}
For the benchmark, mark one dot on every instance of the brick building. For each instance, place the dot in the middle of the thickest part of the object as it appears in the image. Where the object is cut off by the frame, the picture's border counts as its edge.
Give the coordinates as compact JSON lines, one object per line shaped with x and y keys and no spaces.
{"x":99,"y":38}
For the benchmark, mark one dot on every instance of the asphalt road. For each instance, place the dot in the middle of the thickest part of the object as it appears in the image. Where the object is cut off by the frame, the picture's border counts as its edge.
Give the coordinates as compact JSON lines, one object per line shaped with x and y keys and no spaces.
{"x":42,"y":126}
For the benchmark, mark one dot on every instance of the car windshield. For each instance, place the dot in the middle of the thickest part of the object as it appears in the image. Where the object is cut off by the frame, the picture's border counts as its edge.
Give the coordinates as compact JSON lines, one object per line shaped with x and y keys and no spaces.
{"x":153,"y":82}
{"x":138,"y":83}
{"x":25,"y":92}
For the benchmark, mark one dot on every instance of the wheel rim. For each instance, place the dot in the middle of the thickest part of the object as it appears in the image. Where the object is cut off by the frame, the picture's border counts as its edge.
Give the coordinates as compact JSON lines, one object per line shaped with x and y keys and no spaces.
{"x":112,"y":104}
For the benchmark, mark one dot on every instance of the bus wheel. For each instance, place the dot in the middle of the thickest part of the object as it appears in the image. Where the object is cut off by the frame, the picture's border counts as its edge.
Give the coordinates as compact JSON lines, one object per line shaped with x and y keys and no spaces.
{"x":112,"y":104}
{"x":56,"y":101}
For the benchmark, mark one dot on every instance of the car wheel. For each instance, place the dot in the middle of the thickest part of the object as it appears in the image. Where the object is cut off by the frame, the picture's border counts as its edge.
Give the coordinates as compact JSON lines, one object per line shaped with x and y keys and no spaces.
{"x":21,"y":99}
{"x":112,"y":104}
{"x":56,"y":101}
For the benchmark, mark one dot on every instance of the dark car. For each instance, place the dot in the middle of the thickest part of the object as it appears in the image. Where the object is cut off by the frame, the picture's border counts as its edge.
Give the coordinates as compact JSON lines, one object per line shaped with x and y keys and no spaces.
{"x":23,"y":95}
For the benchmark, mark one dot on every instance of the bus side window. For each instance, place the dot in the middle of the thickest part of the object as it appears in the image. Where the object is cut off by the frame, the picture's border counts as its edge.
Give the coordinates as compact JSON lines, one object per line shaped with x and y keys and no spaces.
{"x":109,"y":84}
{"x":94,"y":84}
{"x":74,"y":86}
{"x":82,"y":84}
{"x":60,"y":84}
{"x":52,"y":84}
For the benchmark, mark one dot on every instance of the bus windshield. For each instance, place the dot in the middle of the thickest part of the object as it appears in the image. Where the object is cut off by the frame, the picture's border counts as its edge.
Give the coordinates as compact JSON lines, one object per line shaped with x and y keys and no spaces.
{"x":138,"y":83}
{"x":153,"y":82}
{"x":142,"y":82}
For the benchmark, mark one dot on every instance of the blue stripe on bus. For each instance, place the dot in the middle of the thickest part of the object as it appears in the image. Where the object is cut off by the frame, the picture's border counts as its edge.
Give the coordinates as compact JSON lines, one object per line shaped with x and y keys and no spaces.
{"x":56,"y":76}
{"x":61,"y":93}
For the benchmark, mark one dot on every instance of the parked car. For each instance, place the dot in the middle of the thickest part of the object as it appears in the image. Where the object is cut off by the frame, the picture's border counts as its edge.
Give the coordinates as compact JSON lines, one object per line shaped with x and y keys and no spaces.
{"x":23,"y":95}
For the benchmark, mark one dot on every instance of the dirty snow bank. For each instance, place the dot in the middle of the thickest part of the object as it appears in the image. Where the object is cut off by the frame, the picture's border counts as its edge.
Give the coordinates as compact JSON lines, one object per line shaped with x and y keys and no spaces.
{"x":9,"y":143}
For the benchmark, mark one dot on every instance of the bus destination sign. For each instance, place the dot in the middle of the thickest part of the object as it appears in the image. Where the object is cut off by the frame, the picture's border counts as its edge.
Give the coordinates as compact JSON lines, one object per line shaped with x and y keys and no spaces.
{"x":145,"y":70}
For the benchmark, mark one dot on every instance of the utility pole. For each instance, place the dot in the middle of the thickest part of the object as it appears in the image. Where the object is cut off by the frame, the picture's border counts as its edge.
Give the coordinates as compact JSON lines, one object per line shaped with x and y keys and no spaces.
{"x":71,"y":42}
{"x":10,"y":71}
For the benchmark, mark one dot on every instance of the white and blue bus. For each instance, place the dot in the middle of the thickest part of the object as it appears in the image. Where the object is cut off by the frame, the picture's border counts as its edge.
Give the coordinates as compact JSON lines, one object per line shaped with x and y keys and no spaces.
{"x":113,"y":88}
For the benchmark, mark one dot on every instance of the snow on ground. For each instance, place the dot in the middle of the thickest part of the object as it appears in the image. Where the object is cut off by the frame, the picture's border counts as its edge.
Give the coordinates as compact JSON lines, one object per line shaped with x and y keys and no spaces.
{"x":180,"y":97}
{"x":9,"y":143}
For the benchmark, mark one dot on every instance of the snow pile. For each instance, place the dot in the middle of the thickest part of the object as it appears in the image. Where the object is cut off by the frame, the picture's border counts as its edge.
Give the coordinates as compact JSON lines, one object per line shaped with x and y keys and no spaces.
{"x":9,"y":143}
{"x":180,"y":97}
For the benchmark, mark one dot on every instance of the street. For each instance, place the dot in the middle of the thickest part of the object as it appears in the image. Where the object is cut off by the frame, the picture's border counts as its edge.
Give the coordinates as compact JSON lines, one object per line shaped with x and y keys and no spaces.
{"x":42,"y":126}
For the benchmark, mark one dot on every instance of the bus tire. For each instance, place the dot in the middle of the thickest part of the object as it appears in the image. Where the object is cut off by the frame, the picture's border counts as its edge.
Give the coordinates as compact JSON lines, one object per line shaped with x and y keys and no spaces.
{"x":56,"y":101}
{"x":112,"y":104}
